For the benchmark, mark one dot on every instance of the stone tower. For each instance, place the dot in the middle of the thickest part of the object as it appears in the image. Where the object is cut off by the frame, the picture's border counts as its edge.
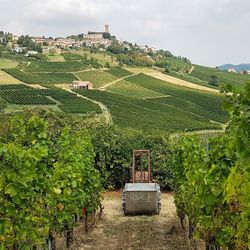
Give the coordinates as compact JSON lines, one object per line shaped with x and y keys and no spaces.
{"x":106,"y":28}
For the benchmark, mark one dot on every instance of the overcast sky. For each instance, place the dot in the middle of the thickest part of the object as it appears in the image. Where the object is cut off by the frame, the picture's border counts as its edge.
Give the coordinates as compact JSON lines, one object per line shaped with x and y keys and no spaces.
{"x":209,"y":32}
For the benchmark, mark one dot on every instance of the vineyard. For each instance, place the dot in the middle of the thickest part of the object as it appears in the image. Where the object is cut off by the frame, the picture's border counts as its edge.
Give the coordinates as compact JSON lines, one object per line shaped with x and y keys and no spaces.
{"x":119,"y":72}
{"x":190,"y":107}
{"x":126,"y":88}
{"x":126,"y":110}
{"x":54,"y":168}
{"x":72,"y":57}
{"x":41,"y":78}
{"x":23,"y":95}
{"x":212,"y":185}
{"x":209,"y":101}
{"x":68,"y":102}
{"x":189,"y":78}
{"x":183,"y":108}
{"x":43,"y":190}
{"x":204,"y":74}
{"x":98,"y":78}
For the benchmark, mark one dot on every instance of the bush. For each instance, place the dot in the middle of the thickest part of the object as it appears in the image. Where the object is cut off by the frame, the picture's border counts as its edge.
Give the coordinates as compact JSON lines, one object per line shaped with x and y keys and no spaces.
{"x":113,"y":155}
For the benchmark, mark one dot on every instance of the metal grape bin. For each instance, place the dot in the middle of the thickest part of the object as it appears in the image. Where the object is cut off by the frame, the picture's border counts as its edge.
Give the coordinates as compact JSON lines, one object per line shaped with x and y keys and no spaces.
{"x":141,"y":196}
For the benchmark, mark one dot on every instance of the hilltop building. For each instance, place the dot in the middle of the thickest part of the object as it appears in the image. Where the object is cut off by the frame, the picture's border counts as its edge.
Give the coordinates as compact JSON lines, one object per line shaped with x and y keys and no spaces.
{"x":98,"y":35}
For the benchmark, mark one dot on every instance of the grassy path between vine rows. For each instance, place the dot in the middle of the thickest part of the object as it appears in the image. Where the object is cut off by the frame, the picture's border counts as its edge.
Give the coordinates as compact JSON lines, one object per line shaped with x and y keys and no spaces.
{"x":106,"y":113}
{"x":118,"y":232}
{"x":116,"y":81}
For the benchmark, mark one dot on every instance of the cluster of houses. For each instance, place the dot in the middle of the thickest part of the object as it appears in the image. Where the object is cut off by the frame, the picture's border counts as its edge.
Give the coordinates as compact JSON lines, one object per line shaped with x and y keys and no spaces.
{"x":233,"y":70}
{"x":97,"y":40}
{"x":92,"y":39}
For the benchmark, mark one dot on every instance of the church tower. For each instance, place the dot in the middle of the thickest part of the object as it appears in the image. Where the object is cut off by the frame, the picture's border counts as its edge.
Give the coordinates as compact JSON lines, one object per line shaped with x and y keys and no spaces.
{"x":106,"y":28}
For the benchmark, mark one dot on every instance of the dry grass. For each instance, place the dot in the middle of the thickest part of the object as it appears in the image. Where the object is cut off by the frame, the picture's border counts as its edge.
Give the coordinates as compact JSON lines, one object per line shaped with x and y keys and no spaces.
{"x":137,"y":70}
{"x":7,"y":63}
{"x":7,"y":79}
{"x":4,"y":77}
{"x":118,"y":232}
{"x":180,"y":82}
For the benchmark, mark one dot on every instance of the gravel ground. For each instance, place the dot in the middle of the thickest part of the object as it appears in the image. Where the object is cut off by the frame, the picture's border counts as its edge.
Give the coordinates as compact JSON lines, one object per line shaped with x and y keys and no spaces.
{"x":118,"y":232}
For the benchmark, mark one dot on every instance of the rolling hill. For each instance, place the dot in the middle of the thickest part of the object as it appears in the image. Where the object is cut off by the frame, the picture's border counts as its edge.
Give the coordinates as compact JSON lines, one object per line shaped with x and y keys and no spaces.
{"x":239,"y":67}
{"x":139,"y":98}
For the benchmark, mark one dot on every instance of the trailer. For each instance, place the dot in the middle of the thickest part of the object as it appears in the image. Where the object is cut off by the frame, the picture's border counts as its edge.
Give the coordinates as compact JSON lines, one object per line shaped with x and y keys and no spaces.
{"x":141,"y":196}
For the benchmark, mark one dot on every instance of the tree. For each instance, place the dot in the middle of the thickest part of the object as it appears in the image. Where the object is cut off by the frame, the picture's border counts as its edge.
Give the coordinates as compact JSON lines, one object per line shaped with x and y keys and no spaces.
{"x":214,"y":80}
{"x":26,"y":41}
{"x":116,"y":48}
{"x":107,"y":65}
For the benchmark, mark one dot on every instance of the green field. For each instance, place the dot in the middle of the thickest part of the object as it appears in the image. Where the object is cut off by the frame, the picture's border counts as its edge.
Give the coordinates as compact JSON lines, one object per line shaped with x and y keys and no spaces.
{"x":204,"y":73}
{"x":146,"y":114}
{"x":56,"y":58}
{"x":41,"y":78}
{"x":45,"y":66}
{"x":98,"y":78}
{"x":72,"y":57}
{"x":119,"y":72}
{"x":124,"y":87}
{"x":211,"y":102}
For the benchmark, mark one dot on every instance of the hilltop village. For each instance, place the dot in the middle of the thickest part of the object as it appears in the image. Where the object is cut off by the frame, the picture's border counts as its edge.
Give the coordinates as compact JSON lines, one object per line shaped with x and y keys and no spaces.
{"x":95,"y":40}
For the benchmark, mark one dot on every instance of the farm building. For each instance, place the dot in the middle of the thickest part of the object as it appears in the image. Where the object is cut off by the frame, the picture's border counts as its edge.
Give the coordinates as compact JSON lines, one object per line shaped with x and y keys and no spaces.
{"x":81,"y":85}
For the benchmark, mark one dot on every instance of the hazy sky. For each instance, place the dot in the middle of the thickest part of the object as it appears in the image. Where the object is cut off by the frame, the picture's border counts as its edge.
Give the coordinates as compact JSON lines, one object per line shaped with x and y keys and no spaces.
{"x":209,"y":32}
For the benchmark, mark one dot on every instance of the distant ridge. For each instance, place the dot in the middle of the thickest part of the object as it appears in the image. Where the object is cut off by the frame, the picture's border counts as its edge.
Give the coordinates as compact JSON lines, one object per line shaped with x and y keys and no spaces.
{"x":239,"y":67}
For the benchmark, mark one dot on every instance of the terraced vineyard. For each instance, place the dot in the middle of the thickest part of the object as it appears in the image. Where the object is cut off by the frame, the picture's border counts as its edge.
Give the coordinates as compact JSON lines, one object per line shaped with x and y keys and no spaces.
{"x":146,"y":114}
{"x":23,"y":95}
{"x":41,"y":78}
{"x":209,"y":101}
{"x":119,"y":72}
{"x":204,"y":73}
{"x":98,"y":78}
{"x":129,"y":89}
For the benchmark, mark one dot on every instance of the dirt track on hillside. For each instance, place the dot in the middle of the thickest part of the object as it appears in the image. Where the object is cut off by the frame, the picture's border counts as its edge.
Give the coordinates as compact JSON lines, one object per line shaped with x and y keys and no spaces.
{"x":181,"y":82}
{"x":118,"y":232}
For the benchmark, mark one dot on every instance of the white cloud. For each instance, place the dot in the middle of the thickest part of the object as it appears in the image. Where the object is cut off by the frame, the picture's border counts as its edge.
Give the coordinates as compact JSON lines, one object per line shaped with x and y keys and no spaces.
{"x":209,"y":32}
